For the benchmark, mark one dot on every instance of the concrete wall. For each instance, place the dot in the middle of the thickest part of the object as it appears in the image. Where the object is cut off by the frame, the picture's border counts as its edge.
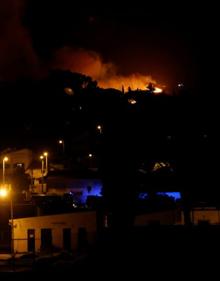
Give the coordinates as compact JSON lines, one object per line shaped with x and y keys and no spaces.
{"x":56,"y":223}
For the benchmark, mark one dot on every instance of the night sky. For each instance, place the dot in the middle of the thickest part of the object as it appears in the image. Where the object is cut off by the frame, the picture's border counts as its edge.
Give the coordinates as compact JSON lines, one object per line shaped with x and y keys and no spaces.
{"x":172,"y":43}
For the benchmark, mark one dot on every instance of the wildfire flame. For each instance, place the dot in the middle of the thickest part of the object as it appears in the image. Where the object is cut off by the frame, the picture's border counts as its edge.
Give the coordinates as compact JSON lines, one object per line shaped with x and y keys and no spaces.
{"x":158,"y":90}
{"x":133,"y":82}
{"x":130,"y":82}
{"x":91,"y":64}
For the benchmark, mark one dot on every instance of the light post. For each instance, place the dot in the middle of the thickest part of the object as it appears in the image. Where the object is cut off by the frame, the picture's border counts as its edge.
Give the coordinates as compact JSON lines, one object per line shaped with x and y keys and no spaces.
{"x":99,"y":128}
{"x":3,"y":194}
{"x":61,"y":142}
{"x":42,"y":172}
{"x":5,"y":159}
{"x":12,"y":223}
{"x":46,"y":157}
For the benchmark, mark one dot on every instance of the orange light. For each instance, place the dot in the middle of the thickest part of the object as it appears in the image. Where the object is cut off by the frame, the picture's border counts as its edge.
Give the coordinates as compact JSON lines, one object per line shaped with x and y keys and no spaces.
{"x":5,"y":159}
{"x":69,"y":91}
{"x":134,"y":81}
{"x":3,"y":192}
{"x":157,"y":90}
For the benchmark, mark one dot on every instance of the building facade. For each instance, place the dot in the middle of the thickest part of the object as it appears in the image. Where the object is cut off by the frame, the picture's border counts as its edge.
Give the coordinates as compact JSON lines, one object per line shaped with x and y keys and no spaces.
{"x":67,"y":232}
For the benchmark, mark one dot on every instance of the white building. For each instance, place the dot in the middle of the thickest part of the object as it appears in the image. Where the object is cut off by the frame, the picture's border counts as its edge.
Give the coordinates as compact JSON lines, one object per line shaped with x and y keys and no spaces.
{"x":54,"y":232}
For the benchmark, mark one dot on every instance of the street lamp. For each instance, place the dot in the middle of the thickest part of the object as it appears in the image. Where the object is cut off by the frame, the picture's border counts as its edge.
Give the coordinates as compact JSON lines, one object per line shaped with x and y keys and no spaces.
{"x":5,"y":159}
{"x":61,"y":142}
{"x":42,"y":172}
{"x":99,"y":128}
{"x":12,"y":224}
{"x":4,"y":192}
{"x":46,"y":157}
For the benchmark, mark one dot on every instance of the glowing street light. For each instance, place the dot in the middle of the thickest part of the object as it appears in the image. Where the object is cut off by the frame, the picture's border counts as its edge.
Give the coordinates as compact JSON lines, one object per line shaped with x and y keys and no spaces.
{"x":46,"y":157}
{"x":42,"y":171}
{"x":4,"y":192}
{"x":180,"y":85}
{"x":42,"y":163}
{"x":61,"y":142}
{"x":5,"y":159}
{"x":90,"y":155}
{"x":99,"y":128}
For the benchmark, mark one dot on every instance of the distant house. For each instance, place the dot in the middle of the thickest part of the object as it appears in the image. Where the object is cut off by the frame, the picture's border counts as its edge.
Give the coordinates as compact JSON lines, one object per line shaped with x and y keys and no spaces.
{"x":55,"y":232}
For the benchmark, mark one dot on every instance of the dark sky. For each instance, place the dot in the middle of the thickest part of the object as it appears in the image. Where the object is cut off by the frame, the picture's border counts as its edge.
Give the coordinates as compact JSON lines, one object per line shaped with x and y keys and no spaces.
{"x":170,"y":43}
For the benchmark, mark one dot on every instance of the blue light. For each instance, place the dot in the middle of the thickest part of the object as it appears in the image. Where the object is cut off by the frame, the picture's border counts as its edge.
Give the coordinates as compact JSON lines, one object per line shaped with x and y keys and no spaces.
{"x":142,"y":195}
{"x":175,"y":195}
{"x":82,"y":188}
{"x":95,"y":190}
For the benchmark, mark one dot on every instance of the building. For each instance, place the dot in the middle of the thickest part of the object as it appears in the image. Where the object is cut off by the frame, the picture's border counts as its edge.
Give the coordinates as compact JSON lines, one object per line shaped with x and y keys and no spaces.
{"x":205,"y":215}
{"x":18,"y":159}
{"x":55,"y":232}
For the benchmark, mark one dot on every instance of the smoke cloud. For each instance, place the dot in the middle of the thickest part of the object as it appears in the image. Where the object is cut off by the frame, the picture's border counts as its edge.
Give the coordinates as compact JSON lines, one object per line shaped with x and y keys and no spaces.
{"x":17,"y":56}
{"x":90,"y":63}
{"x":18,"y":59}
